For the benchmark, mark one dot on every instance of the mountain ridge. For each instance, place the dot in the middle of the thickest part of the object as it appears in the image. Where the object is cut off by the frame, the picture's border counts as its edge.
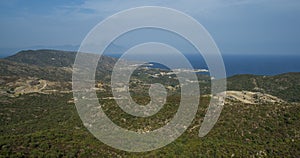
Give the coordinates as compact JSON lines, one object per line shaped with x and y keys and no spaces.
{"x":50,"y":64}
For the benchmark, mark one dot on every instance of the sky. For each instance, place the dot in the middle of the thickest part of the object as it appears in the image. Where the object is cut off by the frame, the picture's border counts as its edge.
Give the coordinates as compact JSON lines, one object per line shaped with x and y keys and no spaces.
{"x":237,"y":26}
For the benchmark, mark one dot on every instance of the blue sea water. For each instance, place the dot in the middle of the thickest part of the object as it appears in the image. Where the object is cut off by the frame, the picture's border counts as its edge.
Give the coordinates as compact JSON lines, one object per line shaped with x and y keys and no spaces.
{"x":261,"y":64}
{"x":254,"y":64}
{"x":248,"y":64}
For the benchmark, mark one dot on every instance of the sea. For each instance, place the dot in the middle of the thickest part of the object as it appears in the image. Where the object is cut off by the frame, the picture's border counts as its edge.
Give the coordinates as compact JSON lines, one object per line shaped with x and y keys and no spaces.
{"x":260,"y":64}
{"x":236,"y":64}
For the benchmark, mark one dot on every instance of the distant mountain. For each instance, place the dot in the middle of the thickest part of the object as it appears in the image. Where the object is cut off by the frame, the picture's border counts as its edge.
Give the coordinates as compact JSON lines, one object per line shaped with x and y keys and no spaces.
{"x":8,"y":51}
{"x":54,"y":58}
{"x":49,"y":64}
{"x":44,"y":58}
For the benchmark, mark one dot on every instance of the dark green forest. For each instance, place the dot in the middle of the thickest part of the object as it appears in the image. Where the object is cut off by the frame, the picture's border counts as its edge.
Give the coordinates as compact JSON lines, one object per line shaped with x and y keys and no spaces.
{"x":38,"y":125}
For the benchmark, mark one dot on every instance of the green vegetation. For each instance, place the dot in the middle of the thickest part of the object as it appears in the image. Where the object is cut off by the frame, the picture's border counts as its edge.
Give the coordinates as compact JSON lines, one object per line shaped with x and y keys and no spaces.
{"x":46,"y":125}
{"x":285,"y":86}
{"x":40,"y":125}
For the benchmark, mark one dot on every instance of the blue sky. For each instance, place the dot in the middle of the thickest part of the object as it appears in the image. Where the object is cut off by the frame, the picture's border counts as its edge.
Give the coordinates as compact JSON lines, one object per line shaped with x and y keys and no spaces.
{"x":237,"y":26}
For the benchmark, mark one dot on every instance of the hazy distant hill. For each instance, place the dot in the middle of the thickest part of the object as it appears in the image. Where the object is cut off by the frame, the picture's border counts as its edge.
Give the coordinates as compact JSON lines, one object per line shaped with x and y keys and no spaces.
{"x":54,"y":58}
{"x":49,"y":64}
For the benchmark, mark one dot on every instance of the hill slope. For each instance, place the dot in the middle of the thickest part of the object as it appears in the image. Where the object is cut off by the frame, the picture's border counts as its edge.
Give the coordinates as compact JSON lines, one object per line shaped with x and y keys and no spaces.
{"x":54,"y":58}
{"x":49,"y":64}
{"x":285,"y":86}
{"x":18,"y":70}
